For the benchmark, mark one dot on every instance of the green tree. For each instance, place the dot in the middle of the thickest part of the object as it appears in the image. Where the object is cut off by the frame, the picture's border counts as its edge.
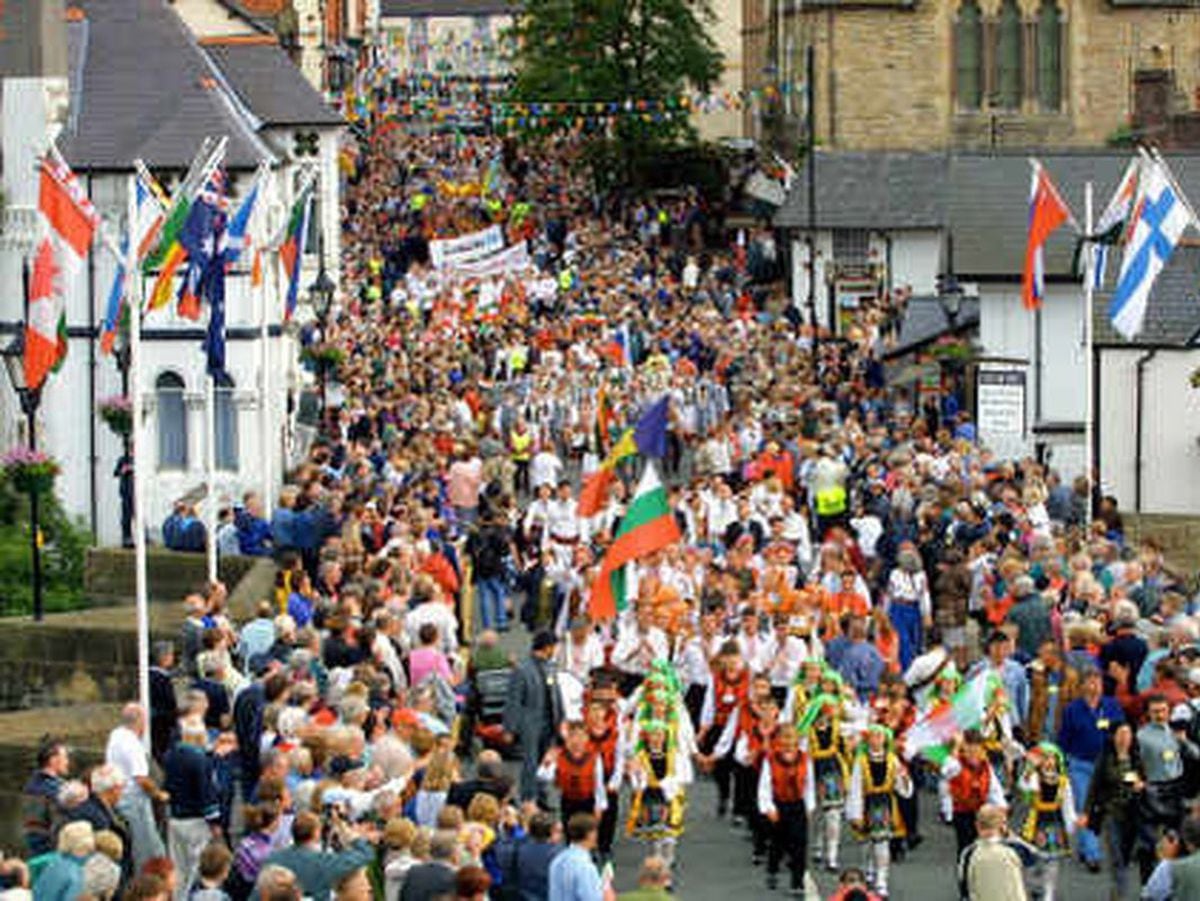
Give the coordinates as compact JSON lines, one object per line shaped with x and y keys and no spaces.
{"x":618,"y":52}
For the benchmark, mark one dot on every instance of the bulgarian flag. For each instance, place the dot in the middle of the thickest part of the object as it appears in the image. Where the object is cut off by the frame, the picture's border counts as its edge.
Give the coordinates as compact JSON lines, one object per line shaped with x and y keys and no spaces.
{"x":69,"y":223}
{"x":931,"y":735}
{"x":647,"y":526}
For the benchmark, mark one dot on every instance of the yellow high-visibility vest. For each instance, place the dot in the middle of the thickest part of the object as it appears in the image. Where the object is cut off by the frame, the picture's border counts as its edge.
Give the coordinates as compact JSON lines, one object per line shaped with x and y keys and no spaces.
{"x":522,"y":446}
{"x":831,"y":501}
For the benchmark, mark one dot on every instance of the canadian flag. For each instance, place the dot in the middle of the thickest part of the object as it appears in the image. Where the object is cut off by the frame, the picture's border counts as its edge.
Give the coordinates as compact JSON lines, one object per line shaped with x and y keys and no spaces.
{"x":69,"y":223}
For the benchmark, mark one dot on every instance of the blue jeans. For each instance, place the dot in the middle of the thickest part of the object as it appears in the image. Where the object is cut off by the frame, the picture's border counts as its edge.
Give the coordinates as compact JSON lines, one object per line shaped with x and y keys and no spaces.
{"x":491,"y":595}
{"x":906,"y":620}
{"x":1080,"y":773}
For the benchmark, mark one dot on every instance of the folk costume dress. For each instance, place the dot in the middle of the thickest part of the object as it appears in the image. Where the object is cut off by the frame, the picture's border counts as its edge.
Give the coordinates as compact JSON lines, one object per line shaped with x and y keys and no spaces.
{"x":1050,"y":821}
{"x":877,"y":780}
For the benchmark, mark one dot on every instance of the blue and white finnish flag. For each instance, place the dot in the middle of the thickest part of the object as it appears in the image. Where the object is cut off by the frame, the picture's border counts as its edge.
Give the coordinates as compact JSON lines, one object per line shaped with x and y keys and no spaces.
{"x":1159,"y":220}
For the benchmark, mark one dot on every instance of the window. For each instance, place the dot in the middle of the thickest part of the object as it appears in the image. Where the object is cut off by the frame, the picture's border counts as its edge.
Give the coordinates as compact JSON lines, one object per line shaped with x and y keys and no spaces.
{"x":225,"y":414}
{"x":418,"y":44}
{"x":1049,"y":56}
{"x":851,"y":246}
{"x":172,"y":422}
{"x":968,"y":55}
{"x":481,"y":43}
{"x":1009,"y":56}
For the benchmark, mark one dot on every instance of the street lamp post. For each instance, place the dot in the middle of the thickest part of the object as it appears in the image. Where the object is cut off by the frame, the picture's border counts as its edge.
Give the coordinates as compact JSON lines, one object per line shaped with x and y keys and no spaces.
{"x":320,"y":294}
{"x":30,"y":398}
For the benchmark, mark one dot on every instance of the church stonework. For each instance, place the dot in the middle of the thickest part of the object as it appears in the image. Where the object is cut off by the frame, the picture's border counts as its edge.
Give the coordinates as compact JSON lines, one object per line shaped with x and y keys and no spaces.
{"x":934,"y":74}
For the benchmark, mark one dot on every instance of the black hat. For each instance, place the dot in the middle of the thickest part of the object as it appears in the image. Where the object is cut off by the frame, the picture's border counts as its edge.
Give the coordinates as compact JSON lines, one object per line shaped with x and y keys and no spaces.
{"x":544,"y":639}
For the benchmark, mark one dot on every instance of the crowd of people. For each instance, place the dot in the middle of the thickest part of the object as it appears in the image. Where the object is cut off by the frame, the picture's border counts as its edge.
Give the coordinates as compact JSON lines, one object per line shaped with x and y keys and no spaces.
{"x":861,"y":607}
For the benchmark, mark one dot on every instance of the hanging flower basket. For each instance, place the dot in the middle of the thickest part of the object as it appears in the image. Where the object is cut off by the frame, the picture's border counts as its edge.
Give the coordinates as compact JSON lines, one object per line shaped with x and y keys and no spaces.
{"x":29,"y":471}
{"x":324,"y":357}
{"x":117,"y":414}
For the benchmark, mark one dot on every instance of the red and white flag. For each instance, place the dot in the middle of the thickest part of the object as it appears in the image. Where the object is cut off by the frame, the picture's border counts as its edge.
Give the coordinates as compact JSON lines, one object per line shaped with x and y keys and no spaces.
{"x":69,"y":223}
{"x":1047,"y":212}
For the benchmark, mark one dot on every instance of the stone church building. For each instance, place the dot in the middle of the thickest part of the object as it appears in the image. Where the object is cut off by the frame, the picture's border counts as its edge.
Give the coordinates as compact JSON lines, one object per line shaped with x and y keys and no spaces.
{"x":941,"y":74}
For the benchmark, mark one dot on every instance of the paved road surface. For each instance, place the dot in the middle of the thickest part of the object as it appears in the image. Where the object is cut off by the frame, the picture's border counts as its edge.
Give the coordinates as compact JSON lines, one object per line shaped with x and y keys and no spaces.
{"x":715,"y":862}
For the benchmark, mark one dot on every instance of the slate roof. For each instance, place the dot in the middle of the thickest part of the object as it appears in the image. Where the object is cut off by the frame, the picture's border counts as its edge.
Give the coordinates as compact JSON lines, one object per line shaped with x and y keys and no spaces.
{"x":265,"y":81}
{"x":1173,"y":314}
{"x":981,"y":201}
{"x":875,"y":190}
{"x":402,"y":9}
{"x":925,"y":320}
{"x":148,"y":92}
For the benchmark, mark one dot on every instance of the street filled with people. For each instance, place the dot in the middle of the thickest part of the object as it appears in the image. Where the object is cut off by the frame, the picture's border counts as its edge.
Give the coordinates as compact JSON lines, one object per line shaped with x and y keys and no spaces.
{"x":593,"y":516}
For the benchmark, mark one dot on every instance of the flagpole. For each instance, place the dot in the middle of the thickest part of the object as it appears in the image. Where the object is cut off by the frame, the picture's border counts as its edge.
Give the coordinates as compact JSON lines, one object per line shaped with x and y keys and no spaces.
{"x":137,"y":446}
{"x":210,"y":467}
{"x":265,"y":402}
{"x":1089,"y":292}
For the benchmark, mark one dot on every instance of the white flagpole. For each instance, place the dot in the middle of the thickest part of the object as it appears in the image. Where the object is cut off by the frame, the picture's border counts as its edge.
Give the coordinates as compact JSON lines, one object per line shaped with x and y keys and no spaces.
{"x":140,"y":457}
{"x":1089,"y":291}
{"x":264,"y":342}
{"x":210,"y":470}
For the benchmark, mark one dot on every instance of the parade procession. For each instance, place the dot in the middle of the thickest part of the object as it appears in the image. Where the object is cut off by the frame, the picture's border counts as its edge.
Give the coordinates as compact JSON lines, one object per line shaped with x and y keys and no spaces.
{"x":570,"y":451}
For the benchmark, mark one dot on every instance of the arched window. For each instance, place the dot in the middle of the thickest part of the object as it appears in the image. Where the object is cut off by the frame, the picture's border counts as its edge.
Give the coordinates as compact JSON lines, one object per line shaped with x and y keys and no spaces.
{"x":172,"y":422}
{"x":968,"y":55}
{"x":1009,"y":56}
{"x":225,"y":414}
{"x":1049,"y":56}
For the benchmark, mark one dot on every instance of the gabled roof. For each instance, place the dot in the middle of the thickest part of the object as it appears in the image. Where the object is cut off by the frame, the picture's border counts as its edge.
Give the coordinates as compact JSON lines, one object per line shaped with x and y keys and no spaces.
{"x":981,"y":201}
{"x":1173,"y":313}
{"x":402,"y":9}
{"x":148,"y":92}
{"x":925,"y":320}
{"x":870,"y":190}
{"x":268,"y":84}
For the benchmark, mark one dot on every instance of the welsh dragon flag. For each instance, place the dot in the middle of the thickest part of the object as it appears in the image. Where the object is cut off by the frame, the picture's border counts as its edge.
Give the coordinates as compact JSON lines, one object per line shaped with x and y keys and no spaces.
{"x":647,"y":526}
{"x":69,"y":223}
{"x":931,"y":735}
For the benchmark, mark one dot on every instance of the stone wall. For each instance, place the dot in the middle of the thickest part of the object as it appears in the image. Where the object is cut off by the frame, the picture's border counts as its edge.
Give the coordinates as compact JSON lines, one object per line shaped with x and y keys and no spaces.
{"x":885,"y":73}
{"x":109,"y":574}
{"x":1178,"y":535}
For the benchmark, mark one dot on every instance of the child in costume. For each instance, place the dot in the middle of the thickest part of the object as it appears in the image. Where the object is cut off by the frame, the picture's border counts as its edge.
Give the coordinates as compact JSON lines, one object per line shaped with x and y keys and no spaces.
{"x":577,"y":769}
{"x":785,"y":798}
{"x":753,"y":746}
{"x":604,"y":738}
{"x":1051,"y":819}
{"x":658,"y":774}
{"x":726,"y":692}
{"x":823,"y":741}
{"x":805,"y":687}
{"x":877,"y":780}
{"x":971,"y":782}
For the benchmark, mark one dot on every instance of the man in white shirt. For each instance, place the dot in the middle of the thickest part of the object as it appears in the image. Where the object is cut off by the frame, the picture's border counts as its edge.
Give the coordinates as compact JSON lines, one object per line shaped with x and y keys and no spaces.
{"x":639,"y":644}
{"x":127,"y":752}
{"x":545,"y":468}
{"x":581,"y":651}
{"x":758,"y":648}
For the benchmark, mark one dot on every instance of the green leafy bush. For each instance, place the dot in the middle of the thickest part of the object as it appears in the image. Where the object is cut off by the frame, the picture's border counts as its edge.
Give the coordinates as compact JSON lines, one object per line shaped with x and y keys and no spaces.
{"x":64,"y":545}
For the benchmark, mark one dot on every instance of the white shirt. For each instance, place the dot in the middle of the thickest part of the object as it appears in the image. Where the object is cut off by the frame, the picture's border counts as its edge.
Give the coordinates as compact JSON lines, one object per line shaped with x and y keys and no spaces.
{"x":544,"y":469}
{"x":126,"y":752}
{"x":757,"y":650}
{"x":562,"y":520}
{"x":441,"y":616}
{"x":580,"y":660}
{"x":631,"y":657}
{"x":692,"y":662}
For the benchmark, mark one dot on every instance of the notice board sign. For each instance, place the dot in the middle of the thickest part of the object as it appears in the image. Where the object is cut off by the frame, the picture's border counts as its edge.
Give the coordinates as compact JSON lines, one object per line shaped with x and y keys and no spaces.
{"x":1000,"y":409}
